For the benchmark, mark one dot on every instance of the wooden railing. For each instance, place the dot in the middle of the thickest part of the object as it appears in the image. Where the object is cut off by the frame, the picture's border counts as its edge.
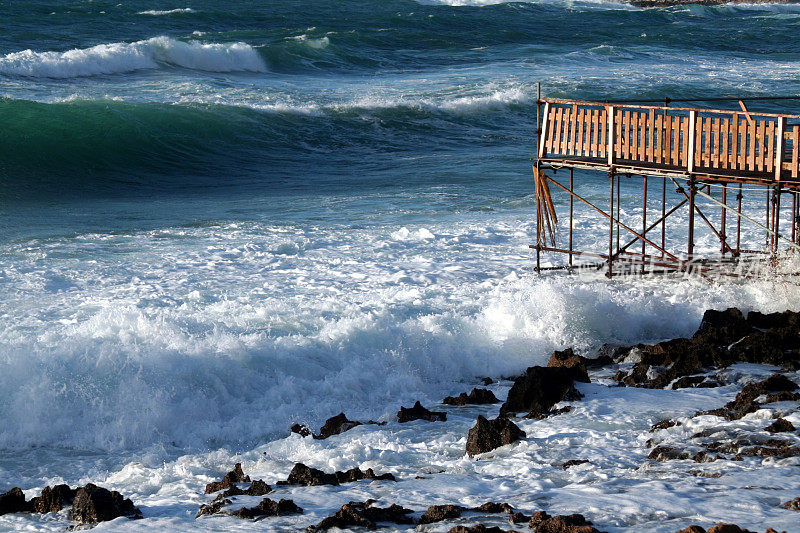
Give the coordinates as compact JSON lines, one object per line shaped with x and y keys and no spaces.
{"x":703,"y":141}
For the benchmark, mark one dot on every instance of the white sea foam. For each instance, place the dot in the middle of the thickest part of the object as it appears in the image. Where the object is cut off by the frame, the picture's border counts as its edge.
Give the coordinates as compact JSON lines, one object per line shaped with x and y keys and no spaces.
{"x":116,"y":58}
{"x":158,"y":12}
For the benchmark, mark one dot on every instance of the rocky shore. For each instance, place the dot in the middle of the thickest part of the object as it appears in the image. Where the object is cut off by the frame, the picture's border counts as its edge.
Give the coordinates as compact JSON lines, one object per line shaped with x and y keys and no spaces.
{"x":669,"y":3}
{"x":753,"y":358}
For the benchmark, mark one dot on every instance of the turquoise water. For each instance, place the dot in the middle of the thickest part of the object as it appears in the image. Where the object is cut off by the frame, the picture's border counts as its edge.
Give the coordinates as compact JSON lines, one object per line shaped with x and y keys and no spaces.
{"x":235,"y":215}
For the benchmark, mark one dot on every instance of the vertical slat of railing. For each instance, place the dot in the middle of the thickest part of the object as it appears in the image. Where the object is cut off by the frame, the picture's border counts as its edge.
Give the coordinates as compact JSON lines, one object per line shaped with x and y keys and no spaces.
{"x":724,"y":132}
{"x":579,"y":144}
{"x":544,"y":132}
{"x":717,"y":141}
{"x":562,"y":139}
{"x":706,"y":142}
{"x":622,"y":135}
{"x":795,"y":149}
{"x":603,"y":135}
{"x":642,"y":136}
{"x":751,"y":154}
{"x":780,"y":147}
{"x":734,"y":160}
{"x":573,"y":123}
{"x":612,"y":119}
{"x":760,"y":141}
{"x":686,"y":130}
{"x":769,"y":146}
{"x":653,"y":136}
{"x":618,"y":131}
{"x":559,"y":131}
{"x":554,"y":118}
{"x":633,"y":127}
{"x":698,"y":144}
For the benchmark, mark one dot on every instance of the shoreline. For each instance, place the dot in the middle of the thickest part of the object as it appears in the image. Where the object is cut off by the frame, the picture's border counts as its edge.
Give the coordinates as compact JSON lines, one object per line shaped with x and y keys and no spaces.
{"x":587,"y":429}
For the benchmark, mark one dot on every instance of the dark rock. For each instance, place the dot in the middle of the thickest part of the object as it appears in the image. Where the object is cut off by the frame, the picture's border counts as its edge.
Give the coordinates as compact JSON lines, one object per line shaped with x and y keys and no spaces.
{"x":792,"y":505}
{"x":336,"y":425}
{"x":574,"y":462}
{"x":93,"y":504}
{"x":664,"y":424}
{"x":437,"y":513}
{"x":267,"y":507}
{"x":771,"y":448}
{"x":519,"y":518}
{"x":727,"y":528}
{"x":419,"y":413}
{"x":781,"y":425}
{"x":358,"y":514}
{"x":487,"y":381}
{"x":492,"y":507}
{"x":723,"y":327}
{"x":256,"y":488}
{"x":568,"y":359}
{"x":541,"y":522}
{"x":478,"y":528}
{"x":53,"y":499}
{"x":307,"y":476}
{"x":704,"y":457}
{"x":665,"y":453}
{"x":213,"y":507}
{"x":783,"y":396}
{"x":230,"y":480}
{"x":13,"y":501}
{"x":476,"y":396}
{"x":692,"y":529}
{"x":540,"y":388}
{"x":301,"y":430}
{"x":487,"y":435}
{"x":744,"y":402}
{"x":787,"y":319}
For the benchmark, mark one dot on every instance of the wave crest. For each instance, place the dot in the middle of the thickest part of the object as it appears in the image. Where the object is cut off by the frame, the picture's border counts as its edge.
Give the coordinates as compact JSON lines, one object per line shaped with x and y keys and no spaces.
{"x":117,"y":58}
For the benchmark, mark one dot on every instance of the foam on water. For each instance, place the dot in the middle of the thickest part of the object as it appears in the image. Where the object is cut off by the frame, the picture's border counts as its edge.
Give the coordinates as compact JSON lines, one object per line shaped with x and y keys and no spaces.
{"x":118,"y":58}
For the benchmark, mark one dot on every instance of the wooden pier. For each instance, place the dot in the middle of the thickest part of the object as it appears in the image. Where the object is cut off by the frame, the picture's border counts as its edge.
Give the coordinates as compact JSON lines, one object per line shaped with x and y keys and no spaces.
{"x":710,"y":156}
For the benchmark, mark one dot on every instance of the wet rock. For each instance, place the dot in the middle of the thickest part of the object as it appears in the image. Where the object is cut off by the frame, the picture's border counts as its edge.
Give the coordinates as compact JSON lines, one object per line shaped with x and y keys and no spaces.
{"x":301,"y":430}
{"x":784,"y":396}
{"x":723,"y":327}
{"x":487,"y":381}
{"x":267,"y":507}
{"x":692,"y":529}
{"x":727,"y":528}
{"x":213,"y":507}
{"x":437,"y":513}
{"x":664,"y":424}
{"x":666,"y":453}
{"x":771,"y":448}
{"x":363,"y":514}
{"x":519,"y":518}
{"x":574,"y":462}
{"x":13,"y":501}
{"x":419,"y":413}
{"x":230,"y":480}
{"x":541,"y":522}
{"x":704,"y":457}
{"x":307,"y":476}
{"x":568,"y":359}
{"x":478,"y":528}
{"x":476,"y":397}
{"x":792,"y":505}
{"x":52,"y":500}
{"x":781,"y":425}
{"x":256,"y":488}
{"x":492,"y":507}
{"x":336,"y":425}
{"x":540,"y":388}
{"x":93,"y":504}
{"x":488,"y":434}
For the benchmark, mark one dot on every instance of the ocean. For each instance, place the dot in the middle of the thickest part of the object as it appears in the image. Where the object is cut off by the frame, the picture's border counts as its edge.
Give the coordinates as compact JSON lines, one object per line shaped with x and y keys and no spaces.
{"x":220,"y":218}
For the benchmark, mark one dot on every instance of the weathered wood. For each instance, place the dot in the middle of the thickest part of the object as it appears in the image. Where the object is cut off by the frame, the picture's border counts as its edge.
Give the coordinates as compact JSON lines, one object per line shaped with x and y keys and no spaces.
{"x":780,"y":146}
{"x":579,"y":144}
{"x":795,"y":150}
{"x":769,"y":146}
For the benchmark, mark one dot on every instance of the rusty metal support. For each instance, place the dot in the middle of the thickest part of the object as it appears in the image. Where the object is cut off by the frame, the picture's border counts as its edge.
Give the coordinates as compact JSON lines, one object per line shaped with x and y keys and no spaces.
{"x":692,"y":191}
{"x":663,"y":212}
{"x":644,"y":216}
{"x":611,"y":227}
{"x":739,"y":197}
{"x":571,"y":201}
{"x":723,"y":216}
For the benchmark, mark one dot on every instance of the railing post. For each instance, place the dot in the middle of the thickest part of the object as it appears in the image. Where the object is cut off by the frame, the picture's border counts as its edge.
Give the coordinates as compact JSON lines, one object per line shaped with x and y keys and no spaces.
{"x":780,"y":146}
{"x":543,"y":130}
{"x":610,"y":144}
{"x":691,"y":147}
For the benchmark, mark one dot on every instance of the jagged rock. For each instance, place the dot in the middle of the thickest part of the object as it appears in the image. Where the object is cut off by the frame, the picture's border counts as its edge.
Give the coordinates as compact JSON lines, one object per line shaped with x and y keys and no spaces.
{"x":437,"y":513}
{"x":771,"y":448}
{"x":700,"y":382}
{"x":336,"y":425}
{"x":540,"y":388}
{"x":487,"y":381}
{"x":783,"y":396}
{"x":487,"y":435}
{"x":307,"y":476}
{"x":267,"y":507}
{"x":52,"y":500}
{"x":230,"y":480}
{"x":541,"y":522}
{"x":665,"y":453}
{"x":13,"y":501}
{"x":363,"y":514}
{"x":792,"y":505}
{"x":744,"y":402}
{"x":478,"y":528}
{"x":692,"y":529}
{"x":301,"y":430}
{"x":492,"y":507}
{"x":567,"y":359}
{"x":213,"y":507}
{"x":519,"y":518}
{"x":781,"y":425}
{"x":476,"y":396}
{"x":727,"y":528}
{"x":93,"y":504}
{"x":723,"y":327}
{"x":574,"y":462}
{"x":256,"y":488}
{"x":419,"y":413}
{"x":664,"y":424}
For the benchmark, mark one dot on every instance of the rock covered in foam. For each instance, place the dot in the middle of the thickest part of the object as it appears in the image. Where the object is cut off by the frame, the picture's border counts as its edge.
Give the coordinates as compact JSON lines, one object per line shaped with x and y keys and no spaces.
{"x":307,"y":476}
{"x":52,"y":500}
{"x":13,"y":501}
{"x":363,"y":514}
{"x":93,"y":504}
{"x":542,"y":522}
{"x":540,"y":388}
{"x":475,"y":397}
{"x":336,"y":425}
{"x":233,"y":477}
{"x":419,"y":413}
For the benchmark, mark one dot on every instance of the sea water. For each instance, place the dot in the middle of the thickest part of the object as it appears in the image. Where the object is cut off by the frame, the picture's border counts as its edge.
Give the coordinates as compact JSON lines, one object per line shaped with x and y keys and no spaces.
{"x":219,"y":218}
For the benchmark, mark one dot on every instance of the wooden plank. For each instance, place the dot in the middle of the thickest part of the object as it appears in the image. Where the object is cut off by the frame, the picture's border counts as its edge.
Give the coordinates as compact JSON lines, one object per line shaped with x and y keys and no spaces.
{"x":603,"y":133}
{"x":692,"y":135}
{"x":658,"y":140}
{"x":591,"y":137}
{"x":735,"y":160}
{"x":724,"y":131}
{"x":687,"y":132}
{"x":573,"y":130}
{"x":769,"y":146}
{"x":717,"y":142}
{"x":544,"y":131}
{"x":751,"y":154}
{"x":579,"y":132}
{"x":676,"y":141}
{"x":780,"y":145}
{"x":707,"y":129}
{"x":551,"y":136}
{"x":642,"y":136}
{"x":795,"y":150}
{"x":560,"y":143}
{"x":620,"y":133}
{"x":611,"y":128}
{"x":654,"y":136}
{"x":761,"y":134}
{"x":698,"y":138}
